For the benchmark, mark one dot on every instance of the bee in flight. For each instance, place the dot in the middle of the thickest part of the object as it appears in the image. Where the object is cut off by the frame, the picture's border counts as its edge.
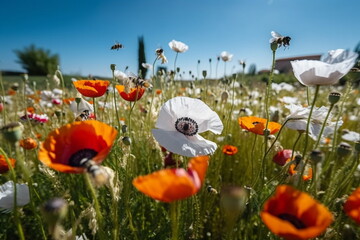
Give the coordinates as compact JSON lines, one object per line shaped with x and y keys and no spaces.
{"x":139,"y":82}
{"x":279,"y":39}
{"x":117,"y":46}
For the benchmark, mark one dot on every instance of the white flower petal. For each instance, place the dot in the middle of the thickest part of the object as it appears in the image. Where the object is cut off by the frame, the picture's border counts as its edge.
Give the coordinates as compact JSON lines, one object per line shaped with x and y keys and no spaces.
{"x":178,"y":143}
{"x":195,"y":109}
{"x":351,"y":136}
{"x":7,"y":195}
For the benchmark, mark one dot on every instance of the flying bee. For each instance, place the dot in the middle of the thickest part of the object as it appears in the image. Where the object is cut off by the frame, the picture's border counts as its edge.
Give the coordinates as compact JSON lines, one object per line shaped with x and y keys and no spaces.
{"x":211,"y":190}
{"x":83,"y":116}
{"x":159,"y":51}
{"x":117,"y":46}
{"x":139,"y":82}
{"x":279,"y":39}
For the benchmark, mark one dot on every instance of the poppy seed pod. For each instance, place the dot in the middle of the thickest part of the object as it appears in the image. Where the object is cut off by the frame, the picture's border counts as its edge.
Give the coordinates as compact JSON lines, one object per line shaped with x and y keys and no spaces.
{"x":274,"y":46}
{"x":334,"y":97}
{"x":343,"y":149}
{"x":126,"y":140}
{"x":113,"y":67}
{"x":12,"y":132}
{"x":204,"y":73}
{"x":317,"y":156}
{"x":124,"y":128}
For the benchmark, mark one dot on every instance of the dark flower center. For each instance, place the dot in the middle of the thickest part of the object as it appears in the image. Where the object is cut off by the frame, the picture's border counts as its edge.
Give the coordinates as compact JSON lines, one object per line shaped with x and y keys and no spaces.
{"x":77,"y":159}
{"x":255,"y":123}
{"x":293,"y":220}
{"x":186,"y":126}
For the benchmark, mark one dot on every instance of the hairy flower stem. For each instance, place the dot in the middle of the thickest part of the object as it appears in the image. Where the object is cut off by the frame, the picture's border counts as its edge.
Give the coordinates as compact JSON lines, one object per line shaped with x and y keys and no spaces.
{"x":58,"y":72}
{"x":115,"y":104}
{"x":323,"y":126}
{"x":175,"y":65}
{"x":15,"y":210}
{"x":94,"y":108}
{"x":174,"y":216}
{"x":307,"y":131}
{"x":99,"y":216}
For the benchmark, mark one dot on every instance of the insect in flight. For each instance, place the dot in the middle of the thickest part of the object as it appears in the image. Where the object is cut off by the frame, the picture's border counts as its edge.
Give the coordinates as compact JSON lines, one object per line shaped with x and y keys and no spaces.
{"x":137,"y":81}
{"x":117,"y":46}
{"x":211,"y":190}
{"x":83,"y":116}
{"x":279,"y":39}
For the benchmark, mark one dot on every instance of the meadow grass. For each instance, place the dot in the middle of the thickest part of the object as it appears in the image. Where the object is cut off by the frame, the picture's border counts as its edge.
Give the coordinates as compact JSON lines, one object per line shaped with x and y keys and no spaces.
{"x":129,"y":214}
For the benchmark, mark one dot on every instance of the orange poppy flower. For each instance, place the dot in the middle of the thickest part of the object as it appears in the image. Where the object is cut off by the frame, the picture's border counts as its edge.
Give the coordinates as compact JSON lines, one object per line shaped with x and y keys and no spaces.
{"x":68,"y":100}
{"x":158,"y":91}
{"x":229,"y":150}
{"x":352,"y":206}
{"x":307,"y":173}
{"x":4,"y":167}
{"x":294,"y":215}
{"x":257,"y":125}
{"x":91,"y":88}
{"x":30,"y":109}
{"x":134,"y":94}
{"x":28,"y":143}
{"x":65,"y":147}
{"x":168,"y":185}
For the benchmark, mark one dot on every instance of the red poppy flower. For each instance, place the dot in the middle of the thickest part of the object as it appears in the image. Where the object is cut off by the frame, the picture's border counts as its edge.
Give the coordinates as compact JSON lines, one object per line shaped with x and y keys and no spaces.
{"x":257,"y":125}
{"x":229,"y":150}
{"x":4,"y":167}
{"x":352,"y":206}
{"x":65,"y":147}
{"x":168,"y":185}
{"x":91,"y":88}
{"x":28,"y":143}
{"x":281,"y":157}
{"x":133,"y":95}
{"x":294,"y":215}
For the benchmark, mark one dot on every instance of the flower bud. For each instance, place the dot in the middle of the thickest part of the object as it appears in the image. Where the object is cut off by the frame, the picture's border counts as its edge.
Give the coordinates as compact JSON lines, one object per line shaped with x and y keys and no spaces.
{"x":177,"y":69}
{"x":233,"y":201}
{"x":126,"y":140}
{"x":124,"y":128}
{"x":282,"y":156}
{"x":274,"y":46}
{"x":334,"y":97}
{"x":266,"y":132}
{"x":204,"y":73}
{"x":316,"y":156}
{"x":28,"y":143}
{"x":298,"y":159}
{"x":12,"y":132}
{"x":343,"y":149}
{"x":113,"y":67}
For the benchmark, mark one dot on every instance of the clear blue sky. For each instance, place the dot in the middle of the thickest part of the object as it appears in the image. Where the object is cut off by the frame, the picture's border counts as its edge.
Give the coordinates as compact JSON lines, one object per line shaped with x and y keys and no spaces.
{"x":82,"y":32}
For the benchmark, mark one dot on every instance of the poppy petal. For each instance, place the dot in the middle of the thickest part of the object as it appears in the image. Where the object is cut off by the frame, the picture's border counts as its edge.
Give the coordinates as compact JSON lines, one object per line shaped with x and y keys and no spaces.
{"x":189,"y":146}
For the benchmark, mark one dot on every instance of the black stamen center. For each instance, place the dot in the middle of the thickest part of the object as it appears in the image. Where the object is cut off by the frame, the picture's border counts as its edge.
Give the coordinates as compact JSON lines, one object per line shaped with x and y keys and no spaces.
{"x":256,"y":123}
{"x":293,"y":220}
{"x":76,"y":159}
{"x":186,"y":126}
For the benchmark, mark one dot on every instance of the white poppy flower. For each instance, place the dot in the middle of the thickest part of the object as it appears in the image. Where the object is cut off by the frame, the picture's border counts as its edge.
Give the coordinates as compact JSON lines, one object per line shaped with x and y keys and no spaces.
{"x":7,"y":195}
{"x":298,"y":117}
{"x":79,"y":108}
{"x":225,"y":56}
{"x":178,"y":46}
{"x":351,"y":136}
{"x":180,"y":121}
{"x":326,"y":72}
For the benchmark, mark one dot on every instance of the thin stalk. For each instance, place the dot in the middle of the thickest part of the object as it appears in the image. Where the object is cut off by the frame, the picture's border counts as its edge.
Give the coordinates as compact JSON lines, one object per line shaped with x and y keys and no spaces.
{"x":62,"y":95}
{"x":174,"y":220}
{"x":175,"y":65}
{"x":94,"y":108}
{"x":307,"y":130}
{"x":15,"y":210}
{"x":115,"y":104}
{"x":216,"y":69}
{"x":323,"y":126}
{"x":3,"y":95}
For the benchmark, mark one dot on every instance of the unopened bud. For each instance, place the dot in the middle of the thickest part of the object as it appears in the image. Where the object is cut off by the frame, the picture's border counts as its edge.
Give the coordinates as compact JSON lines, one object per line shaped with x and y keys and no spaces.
{"x":317,"y":156}
{"x":344,"y":149}
{"x":124,"y":128}
{"x":274,"y":46}
{"x":334,"y":97}
{"x":126,"y":140}
{"x":12,"y":132}
{"x":204,"y":73}
{"x":113,"y":67}
{"x":298,"y":159}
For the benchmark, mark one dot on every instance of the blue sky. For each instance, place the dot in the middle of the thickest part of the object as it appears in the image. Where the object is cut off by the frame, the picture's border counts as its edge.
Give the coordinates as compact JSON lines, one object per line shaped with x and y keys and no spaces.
{"x":82,"y":32}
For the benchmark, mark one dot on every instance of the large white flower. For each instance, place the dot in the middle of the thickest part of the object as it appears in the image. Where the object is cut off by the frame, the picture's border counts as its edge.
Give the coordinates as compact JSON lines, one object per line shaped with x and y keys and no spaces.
{"x":178,"y":46}
{"x":7,"y":195}
{"x":298,"y":117}
{"x":80,"y":105}
{"x":334,"y":66}
{"x":225,"y":56}
{"x":180,"y":121}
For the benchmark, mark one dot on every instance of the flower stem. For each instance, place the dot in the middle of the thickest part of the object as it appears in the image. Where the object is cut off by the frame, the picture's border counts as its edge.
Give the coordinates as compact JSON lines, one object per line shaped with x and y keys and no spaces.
{"x":174,"y":220}
{"x":115,"y":104}
{"x":323,"y":126}
{"x":62,"y":95}
{"x":3,"y":95}
{"x":175,"y":65}
{"x":307,"y":130}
